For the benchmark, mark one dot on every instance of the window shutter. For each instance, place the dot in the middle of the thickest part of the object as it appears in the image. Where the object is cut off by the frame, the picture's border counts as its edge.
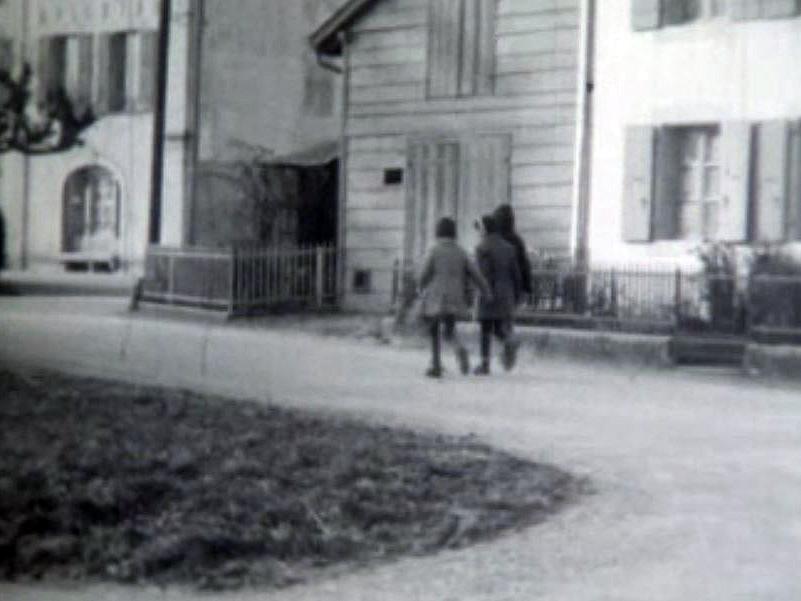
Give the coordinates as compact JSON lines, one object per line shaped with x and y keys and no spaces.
{"x":666,"y":185}
{"x":777,"y":9}
{"x":735,"y":156}
{"x":485,"y":69}
{"x":83,"y":98}
{"x":771,"y":180}
{"x":675,"y":12}
{"x":794,"y":183}
{"x":645,"y":14}
{"x":147,"y":70}
{"x":103,"y":72}
{"x":741,"y":10}
{"x":52,"y":65}
{"x":638,"y":183}
{"x":444,"y":46}
{"x":6,"y":55}
{"x":470,"y":51}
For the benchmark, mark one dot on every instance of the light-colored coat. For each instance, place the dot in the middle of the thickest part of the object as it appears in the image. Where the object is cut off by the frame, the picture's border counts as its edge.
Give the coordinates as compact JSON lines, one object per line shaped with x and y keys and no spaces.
{"x":445,"y":278}
{"x":497,"y":260}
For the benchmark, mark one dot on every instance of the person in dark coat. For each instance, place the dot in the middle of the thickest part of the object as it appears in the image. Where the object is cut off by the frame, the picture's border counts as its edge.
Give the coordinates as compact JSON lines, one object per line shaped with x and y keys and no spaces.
{"x":444,"y":280}
{"x":497,"y":261}
{"x":505,"y":220}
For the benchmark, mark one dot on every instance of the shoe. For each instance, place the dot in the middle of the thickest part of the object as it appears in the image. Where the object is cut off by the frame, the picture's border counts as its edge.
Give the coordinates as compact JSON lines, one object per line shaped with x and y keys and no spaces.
{"x":482,"y":370}
{"x":464,"y":360}
{"x":509,"y":357}
{"x":434,"y":372}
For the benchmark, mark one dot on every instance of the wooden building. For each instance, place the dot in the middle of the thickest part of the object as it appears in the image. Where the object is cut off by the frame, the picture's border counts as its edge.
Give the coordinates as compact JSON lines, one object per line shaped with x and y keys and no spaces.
{"x":453,"y":107}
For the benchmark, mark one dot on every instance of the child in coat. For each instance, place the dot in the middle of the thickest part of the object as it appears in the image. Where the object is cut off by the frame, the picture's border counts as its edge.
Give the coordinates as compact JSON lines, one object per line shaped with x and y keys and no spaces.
{"x":444,"y":282}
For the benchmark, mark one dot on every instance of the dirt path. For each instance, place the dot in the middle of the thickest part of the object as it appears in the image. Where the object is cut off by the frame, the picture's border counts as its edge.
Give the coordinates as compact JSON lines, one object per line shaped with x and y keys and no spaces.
{"x":697,"y":473}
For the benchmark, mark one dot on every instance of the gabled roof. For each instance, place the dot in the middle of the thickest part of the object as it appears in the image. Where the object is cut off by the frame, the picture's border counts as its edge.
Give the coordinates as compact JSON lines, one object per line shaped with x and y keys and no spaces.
{"x":325,"y":40}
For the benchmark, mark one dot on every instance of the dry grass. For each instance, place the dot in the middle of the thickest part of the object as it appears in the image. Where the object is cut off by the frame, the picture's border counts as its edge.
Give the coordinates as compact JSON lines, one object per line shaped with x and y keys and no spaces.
{"x":100,"y":480}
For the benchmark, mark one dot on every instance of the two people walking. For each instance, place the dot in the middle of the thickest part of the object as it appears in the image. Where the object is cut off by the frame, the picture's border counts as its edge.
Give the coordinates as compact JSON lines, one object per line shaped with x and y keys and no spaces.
{"x":445,"y":281}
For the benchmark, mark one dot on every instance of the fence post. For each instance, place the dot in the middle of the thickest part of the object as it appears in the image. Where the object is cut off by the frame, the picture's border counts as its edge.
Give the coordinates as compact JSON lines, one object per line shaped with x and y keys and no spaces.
{"x":170,"y":277}
{"x":232,"y":283}
{"x":319,"y":268}
{"x":677,"y":299}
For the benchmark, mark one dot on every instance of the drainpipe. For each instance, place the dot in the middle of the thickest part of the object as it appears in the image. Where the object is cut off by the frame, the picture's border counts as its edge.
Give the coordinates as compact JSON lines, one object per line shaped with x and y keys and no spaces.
{"x":344,"y":70}
{"x":26,"y":161}
{"x":583,"y":150}
{"x":159,"y":122}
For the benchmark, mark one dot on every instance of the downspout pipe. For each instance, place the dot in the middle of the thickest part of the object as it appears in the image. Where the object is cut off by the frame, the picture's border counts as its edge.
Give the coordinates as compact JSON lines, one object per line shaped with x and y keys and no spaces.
{"x":159,"y":122}
{"x":584,"y":135}
{"x":344,"y":69}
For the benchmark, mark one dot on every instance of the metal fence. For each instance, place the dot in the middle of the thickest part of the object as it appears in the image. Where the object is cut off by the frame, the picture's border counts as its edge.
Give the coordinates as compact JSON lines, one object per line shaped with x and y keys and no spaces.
{"x":241,"y":280}
{"x":653,"y":300}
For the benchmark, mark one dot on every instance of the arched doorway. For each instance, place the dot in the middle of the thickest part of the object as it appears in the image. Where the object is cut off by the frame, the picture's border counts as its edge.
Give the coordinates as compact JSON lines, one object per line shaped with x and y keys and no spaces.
{"x":91,"y":226}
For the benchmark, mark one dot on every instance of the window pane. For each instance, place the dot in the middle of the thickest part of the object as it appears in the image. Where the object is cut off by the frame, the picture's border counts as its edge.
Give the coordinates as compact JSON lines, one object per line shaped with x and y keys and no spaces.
{"x":710,"y":220}
{"x":689,"y":146}
{"x":711,"y":181}
{"x":691,"y":221}
{"x":713,"y":147}
{"x":687,"y":190}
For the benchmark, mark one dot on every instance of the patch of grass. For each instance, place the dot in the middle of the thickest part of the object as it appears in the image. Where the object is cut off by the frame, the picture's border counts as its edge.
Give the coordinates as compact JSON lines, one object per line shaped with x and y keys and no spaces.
{"x":101,"y":480}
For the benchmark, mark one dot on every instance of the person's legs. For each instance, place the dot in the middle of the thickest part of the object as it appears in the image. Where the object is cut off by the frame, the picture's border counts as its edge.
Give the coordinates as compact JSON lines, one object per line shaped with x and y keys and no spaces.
{"x":450,"y":334}
{"x":436,"y":365}
{"x":486,"y":346}
{"x":510,"y":344}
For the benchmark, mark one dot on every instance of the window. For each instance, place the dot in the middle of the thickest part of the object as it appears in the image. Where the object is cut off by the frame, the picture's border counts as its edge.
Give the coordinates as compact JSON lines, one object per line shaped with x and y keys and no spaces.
{"x":362,"y":281}
{"x":729,"y":182}
{"x":393,"y":177}
{"x":461,"y":48}
{"x":127,"y":71}
{"x":698,"y":172}
{"x":652,"y":14}
{"x":675,"y":12}
{"x":6,"y":54}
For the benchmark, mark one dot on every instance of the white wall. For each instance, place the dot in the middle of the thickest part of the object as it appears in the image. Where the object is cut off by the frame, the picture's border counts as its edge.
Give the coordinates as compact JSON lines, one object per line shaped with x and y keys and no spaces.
{"x":717,"y":70}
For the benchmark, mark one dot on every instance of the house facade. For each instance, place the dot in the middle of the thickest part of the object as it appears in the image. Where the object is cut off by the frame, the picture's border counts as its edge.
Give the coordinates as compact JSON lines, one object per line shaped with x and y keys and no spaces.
{"x":242,"y":85}
{"x":697,"y":137}
{"x":452,"y":107}
{"x":88,"y":206}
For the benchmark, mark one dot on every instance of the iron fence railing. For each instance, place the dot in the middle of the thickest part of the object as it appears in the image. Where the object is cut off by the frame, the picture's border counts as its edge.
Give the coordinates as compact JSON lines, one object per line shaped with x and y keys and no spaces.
{"x":241,"y":279}
{"x":648,"y":299}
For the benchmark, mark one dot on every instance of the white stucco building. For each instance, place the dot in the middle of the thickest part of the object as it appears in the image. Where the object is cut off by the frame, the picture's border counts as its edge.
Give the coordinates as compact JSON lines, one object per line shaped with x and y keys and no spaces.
{"x":697,"y":108}
{"x":87,"y":206}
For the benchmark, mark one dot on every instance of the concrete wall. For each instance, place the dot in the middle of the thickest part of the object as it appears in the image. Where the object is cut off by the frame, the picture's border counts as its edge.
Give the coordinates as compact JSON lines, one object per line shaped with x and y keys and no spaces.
{"x":715,"y":71}
{"x":259,"y":80}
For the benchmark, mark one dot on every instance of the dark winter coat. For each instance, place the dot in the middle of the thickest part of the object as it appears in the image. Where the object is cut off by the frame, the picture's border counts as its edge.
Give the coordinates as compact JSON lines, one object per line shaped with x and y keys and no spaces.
{"x":505,"y":220}
{"x":497,"y":262}
{"x":445,"y":278}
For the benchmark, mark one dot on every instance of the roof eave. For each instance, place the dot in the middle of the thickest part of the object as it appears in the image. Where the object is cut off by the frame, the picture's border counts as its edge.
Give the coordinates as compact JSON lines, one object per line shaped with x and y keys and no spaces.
{"x":325,"y":40}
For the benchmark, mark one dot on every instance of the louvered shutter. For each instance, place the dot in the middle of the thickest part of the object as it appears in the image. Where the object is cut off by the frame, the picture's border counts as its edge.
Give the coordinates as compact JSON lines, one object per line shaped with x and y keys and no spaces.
{"x":444,"y":46}
{"x":645,"y":14}
{"x":794,"y":184}
{"x":772,"y":139}
{"x":638,"y":183}
{"x":52,"y":66}
{"x":741,"y":10}
{"x":777,"y":9}
{"x":83,"y":97}
{"x":103,"y":55}
{"x":678,"y":11}
{"x":666,"y":184}
{"x":736,"y":152}
{"x":147,"y":70}
{"x":485,"y":68}
{"x":6,"y":55}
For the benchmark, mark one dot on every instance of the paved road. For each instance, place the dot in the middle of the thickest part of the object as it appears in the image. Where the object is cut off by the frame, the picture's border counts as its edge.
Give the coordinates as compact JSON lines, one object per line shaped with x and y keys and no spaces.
{"x":697,"y":473}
